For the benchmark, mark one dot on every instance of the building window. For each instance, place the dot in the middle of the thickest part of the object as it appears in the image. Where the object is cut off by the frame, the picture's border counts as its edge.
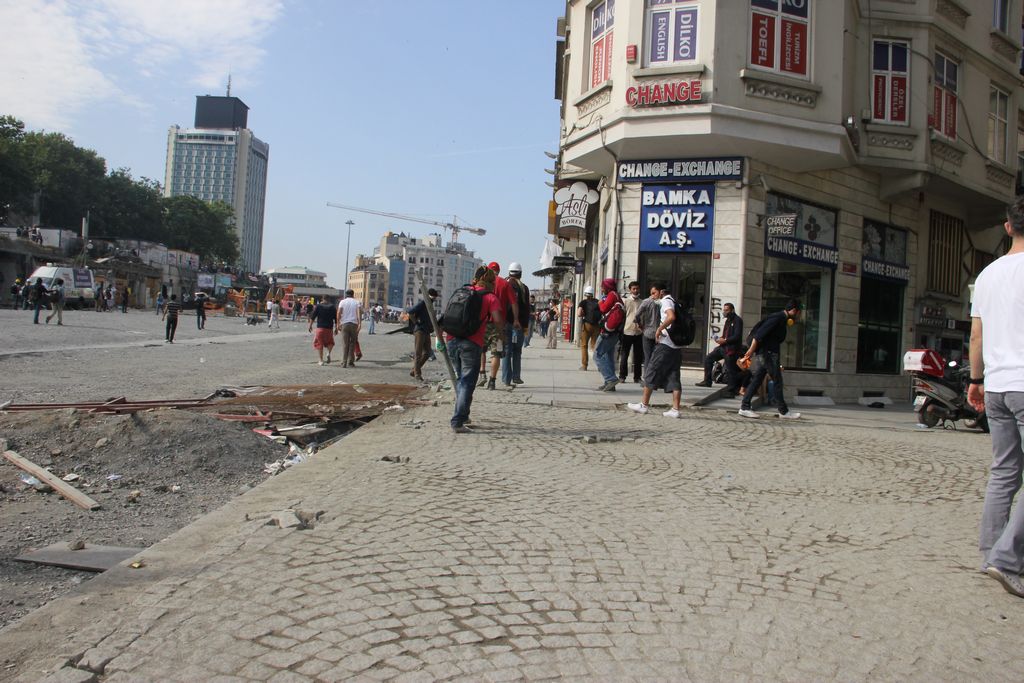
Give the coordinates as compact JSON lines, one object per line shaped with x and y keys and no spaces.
{"x":944,"y":99}
{"x":890,"y":73}
{"x":1001,"y":15}
{"x":602,"y":21}
{"x":671,"y":32}
{"x":780,"y":36}
{"x":998,"y":117}
{"x":944,"y":250}
{"x":1020,"y":161}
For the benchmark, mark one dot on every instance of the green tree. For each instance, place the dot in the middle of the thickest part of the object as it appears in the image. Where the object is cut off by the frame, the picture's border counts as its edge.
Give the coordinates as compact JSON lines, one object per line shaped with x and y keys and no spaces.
{"x":203,"y":228}
{"x":15,"y":182}
{"x":128,"y":208}
{"x":67,"y":178}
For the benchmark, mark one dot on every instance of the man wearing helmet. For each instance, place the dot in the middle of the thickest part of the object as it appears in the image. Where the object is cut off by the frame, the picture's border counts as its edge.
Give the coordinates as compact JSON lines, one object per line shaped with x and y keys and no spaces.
{"x":494,"y":337}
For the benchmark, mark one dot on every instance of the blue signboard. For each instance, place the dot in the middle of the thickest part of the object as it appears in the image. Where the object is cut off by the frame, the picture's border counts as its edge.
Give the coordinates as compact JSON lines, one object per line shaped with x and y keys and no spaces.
{"x":677,"y":218}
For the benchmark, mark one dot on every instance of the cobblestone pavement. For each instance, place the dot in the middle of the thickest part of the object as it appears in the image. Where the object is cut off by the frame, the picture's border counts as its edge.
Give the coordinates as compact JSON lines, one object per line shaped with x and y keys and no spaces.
{"x":566,"y":543}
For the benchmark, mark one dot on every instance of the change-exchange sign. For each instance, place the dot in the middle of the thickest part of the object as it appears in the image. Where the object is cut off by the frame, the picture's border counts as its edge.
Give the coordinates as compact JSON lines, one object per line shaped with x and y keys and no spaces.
{"x":677,"y":218}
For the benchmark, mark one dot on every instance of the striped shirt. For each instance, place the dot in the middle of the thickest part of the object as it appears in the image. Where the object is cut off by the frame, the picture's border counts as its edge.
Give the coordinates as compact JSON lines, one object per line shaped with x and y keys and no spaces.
{"x":172,"y":309}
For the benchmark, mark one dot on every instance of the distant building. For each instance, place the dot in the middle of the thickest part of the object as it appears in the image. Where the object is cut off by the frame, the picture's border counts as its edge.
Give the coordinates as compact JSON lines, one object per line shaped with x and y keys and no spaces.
{"x":444,"y":267}
{"x":220,"y":159}
{"x":369,"y":281}
{"x":305,"y":282}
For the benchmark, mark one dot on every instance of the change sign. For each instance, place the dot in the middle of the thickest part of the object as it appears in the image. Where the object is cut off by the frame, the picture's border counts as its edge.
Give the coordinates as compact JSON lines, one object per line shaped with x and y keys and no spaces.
{"x":676,"y":218}
{"x":781,"y":225}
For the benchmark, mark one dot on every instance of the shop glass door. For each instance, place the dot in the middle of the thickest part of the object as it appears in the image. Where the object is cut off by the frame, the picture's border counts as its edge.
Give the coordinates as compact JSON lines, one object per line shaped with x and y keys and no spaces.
{"x":687,"y":279}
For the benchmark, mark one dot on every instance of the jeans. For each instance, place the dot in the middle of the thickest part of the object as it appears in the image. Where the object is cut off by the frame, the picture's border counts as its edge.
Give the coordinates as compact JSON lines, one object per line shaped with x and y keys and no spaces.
{"x":172,"y":325}
{"x":373,"y":325}
{"x":512,"y":361}
{"x":544,"y":329}
{"x":38,"y":306}
{"x":465,"y":357}
{"x":200,"y":320}
{"x":1002,"y":531}
{"x":604,"y":355}
{"x":631,"y":342}
{"x":765,"y":364}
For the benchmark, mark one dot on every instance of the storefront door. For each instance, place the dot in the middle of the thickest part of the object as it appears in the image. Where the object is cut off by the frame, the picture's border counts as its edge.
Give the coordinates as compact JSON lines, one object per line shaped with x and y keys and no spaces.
{"x":687,"y":279}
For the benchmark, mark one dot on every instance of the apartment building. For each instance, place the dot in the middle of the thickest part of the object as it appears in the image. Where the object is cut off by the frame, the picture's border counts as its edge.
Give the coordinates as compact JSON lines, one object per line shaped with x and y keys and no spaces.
{"x":855,"y":155}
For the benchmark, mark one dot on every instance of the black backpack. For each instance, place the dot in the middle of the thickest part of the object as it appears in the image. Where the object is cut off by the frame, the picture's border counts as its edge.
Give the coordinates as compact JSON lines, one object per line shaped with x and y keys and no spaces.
{"x":683,"y":329}
{"x":462,"y":314}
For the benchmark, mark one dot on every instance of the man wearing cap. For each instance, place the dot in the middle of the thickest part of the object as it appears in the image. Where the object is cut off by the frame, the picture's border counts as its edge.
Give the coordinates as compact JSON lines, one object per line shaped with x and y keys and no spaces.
{"x":763,"y":356}
{"x":589,"y":313}
{"x":507,"y":300}
{"x":511,"y":363}
{"x":613,"y":314}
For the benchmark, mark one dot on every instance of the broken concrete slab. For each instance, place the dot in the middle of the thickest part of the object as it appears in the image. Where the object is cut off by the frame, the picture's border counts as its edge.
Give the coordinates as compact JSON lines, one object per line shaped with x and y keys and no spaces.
{"x":90,"y":558}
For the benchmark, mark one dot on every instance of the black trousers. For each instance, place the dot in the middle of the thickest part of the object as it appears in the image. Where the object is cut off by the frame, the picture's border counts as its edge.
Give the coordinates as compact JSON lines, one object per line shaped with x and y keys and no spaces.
{"x":629,"y":342}
{"x":732,"y":373}
{"x":765,"y":364}
{"x":172,"y":325}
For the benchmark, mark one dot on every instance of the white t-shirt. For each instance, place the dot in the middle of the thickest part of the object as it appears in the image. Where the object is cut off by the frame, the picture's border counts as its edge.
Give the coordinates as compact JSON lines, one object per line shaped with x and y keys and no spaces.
{"x":348,"y":311}
{"x":999,"y":302}
{"x":667,"y":304}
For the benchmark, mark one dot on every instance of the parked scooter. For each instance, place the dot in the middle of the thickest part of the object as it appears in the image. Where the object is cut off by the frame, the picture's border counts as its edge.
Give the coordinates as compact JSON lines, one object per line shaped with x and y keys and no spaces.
{"x":940,"y":390}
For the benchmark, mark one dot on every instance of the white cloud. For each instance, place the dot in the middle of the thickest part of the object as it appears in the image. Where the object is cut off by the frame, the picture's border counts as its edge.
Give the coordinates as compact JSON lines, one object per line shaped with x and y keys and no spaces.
{"x":61,"y":56}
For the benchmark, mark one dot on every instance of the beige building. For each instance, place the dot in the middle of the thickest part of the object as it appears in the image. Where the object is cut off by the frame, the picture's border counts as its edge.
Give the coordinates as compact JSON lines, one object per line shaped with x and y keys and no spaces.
{"x":369,"y":281}
{"x":758,"y":150}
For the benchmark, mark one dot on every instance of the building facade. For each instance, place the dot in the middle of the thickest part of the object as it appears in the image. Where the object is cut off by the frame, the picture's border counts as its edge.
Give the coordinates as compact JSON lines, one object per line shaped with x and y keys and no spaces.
{"x":857,"y":159}
{"x":305,"y":282}
{"x":368,"y":280}
{"x":444,"y":267}
{"x":222,"y":164}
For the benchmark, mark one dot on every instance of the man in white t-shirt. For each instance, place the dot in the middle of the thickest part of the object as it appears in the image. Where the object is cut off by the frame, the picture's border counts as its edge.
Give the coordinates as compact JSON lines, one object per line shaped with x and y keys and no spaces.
{"x":661,"y":371}
{"x":350,"y":319}
{"x":997,"y":387}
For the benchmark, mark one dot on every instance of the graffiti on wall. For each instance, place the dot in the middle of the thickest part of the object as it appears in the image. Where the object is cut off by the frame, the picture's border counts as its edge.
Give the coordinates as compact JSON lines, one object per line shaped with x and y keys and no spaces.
{"x":717,"y":319}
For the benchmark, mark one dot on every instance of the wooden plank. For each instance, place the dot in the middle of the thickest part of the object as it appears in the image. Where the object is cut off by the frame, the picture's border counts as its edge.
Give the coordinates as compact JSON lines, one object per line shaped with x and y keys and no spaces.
{"x":64,"y":489}
{"x":91,"y":558}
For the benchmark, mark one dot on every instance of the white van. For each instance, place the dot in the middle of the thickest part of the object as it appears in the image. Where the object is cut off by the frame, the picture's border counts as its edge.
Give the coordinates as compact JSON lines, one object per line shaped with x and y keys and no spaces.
{"x":79,"y":283}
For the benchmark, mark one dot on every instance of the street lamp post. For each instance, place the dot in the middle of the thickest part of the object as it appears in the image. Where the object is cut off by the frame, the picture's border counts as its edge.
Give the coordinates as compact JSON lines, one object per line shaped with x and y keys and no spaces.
{"x":348,"y":243}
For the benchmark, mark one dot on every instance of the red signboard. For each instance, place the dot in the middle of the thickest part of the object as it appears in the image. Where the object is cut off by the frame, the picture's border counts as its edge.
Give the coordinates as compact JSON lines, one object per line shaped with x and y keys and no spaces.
{"x":597,"y":64}
{"x":898,"y":99}
{"x":664,"y":93}
{"x":878,"y":98}
{"x":936,"y":119}
{"x":794,"y":47}
{"x":949,"y":124}
{"x":762,"y":40}
{"x":607,"y":57}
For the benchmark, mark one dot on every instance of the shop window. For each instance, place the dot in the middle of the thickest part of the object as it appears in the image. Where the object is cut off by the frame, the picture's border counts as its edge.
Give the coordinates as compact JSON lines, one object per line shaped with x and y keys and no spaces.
{"x":800,"y":261}
{"x":671,"y":32}
{"x":998,"y":118}
{"x":602,"y":21}
{"x":780,"y":36}
{"x":944,"y":97}
{"x":945,"y":246}
{"x":890,"y":71}
{"x":884,"y":279}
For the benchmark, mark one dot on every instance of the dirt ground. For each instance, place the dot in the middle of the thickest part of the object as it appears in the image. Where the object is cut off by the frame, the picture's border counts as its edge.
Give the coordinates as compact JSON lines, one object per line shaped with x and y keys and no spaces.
{"x":209,"y":459}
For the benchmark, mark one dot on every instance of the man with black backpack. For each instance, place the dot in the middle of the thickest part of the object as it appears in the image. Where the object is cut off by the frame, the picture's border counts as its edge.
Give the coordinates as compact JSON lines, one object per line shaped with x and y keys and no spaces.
{"x":763,"y":357}
{"x":464,"y":319}
{"x":661,"y":371}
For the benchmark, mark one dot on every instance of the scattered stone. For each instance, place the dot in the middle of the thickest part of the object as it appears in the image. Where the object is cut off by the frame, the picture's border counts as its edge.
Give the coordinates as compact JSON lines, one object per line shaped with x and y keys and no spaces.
{"x":103,"y":441}
{"x":56,"y":452}
{"x":70,"y":477}
{"x":134,"y":495}
{"x":175,"y":488}
{"x":285,"y":519}
{"x":78,"y":544}
{"x":396,"y":458}
{"x":307,"y":518}
{"x":588,"y":439}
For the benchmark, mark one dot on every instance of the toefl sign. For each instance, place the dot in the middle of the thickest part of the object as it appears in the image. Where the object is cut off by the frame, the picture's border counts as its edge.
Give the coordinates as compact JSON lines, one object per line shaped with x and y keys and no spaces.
{"x":677,"y":218}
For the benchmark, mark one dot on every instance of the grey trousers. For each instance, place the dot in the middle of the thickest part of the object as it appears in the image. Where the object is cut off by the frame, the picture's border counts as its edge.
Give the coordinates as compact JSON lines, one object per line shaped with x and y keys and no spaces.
{"x":1002,"y":530}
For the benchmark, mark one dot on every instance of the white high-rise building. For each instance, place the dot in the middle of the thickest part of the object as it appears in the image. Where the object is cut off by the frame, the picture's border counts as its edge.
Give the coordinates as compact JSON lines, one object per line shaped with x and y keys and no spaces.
{"x":221,"y":159}
{"x":445,"y":267}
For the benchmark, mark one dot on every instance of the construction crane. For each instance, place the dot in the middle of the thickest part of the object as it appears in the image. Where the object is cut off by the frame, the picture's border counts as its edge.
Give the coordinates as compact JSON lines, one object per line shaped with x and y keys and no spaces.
{"x":453,"y":226}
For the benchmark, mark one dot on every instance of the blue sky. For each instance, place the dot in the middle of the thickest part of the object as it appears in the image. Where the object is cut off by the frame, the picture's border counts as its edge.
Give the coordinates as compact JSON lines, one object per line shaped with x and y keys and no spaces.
{"x":433,"y":109}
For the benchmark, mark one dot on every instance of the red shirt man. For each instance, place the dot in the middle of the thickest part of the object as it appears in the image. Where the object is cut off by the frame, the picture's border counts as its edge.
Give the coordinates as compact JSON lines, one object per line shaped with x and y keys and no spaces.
{"x":506,"y":296}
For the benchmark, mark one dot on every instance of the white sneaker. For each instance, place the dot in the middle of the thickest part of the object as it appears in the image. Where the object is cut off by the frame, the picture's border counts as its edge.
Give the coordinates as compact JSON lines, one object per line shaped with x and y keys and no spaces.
{"x":746,"y":413}
{"x":671,"y":412}
{"x":638,"y":408}
{"x":790,"y":416}
{"x":321,"y":363}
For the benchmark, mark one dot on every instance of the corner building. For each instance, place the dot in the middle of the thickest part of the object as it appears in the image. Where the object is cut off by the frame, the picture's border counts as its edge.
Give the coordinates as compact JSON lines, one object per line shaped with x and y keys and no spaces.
{"x":757,"y":150}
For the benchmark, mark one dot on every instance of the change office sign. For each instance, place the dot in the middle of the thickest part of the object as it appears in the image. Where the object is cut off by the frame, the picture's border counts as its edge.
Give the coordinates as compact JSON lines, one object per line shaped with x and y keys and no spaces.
{"x":677,"y":218}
